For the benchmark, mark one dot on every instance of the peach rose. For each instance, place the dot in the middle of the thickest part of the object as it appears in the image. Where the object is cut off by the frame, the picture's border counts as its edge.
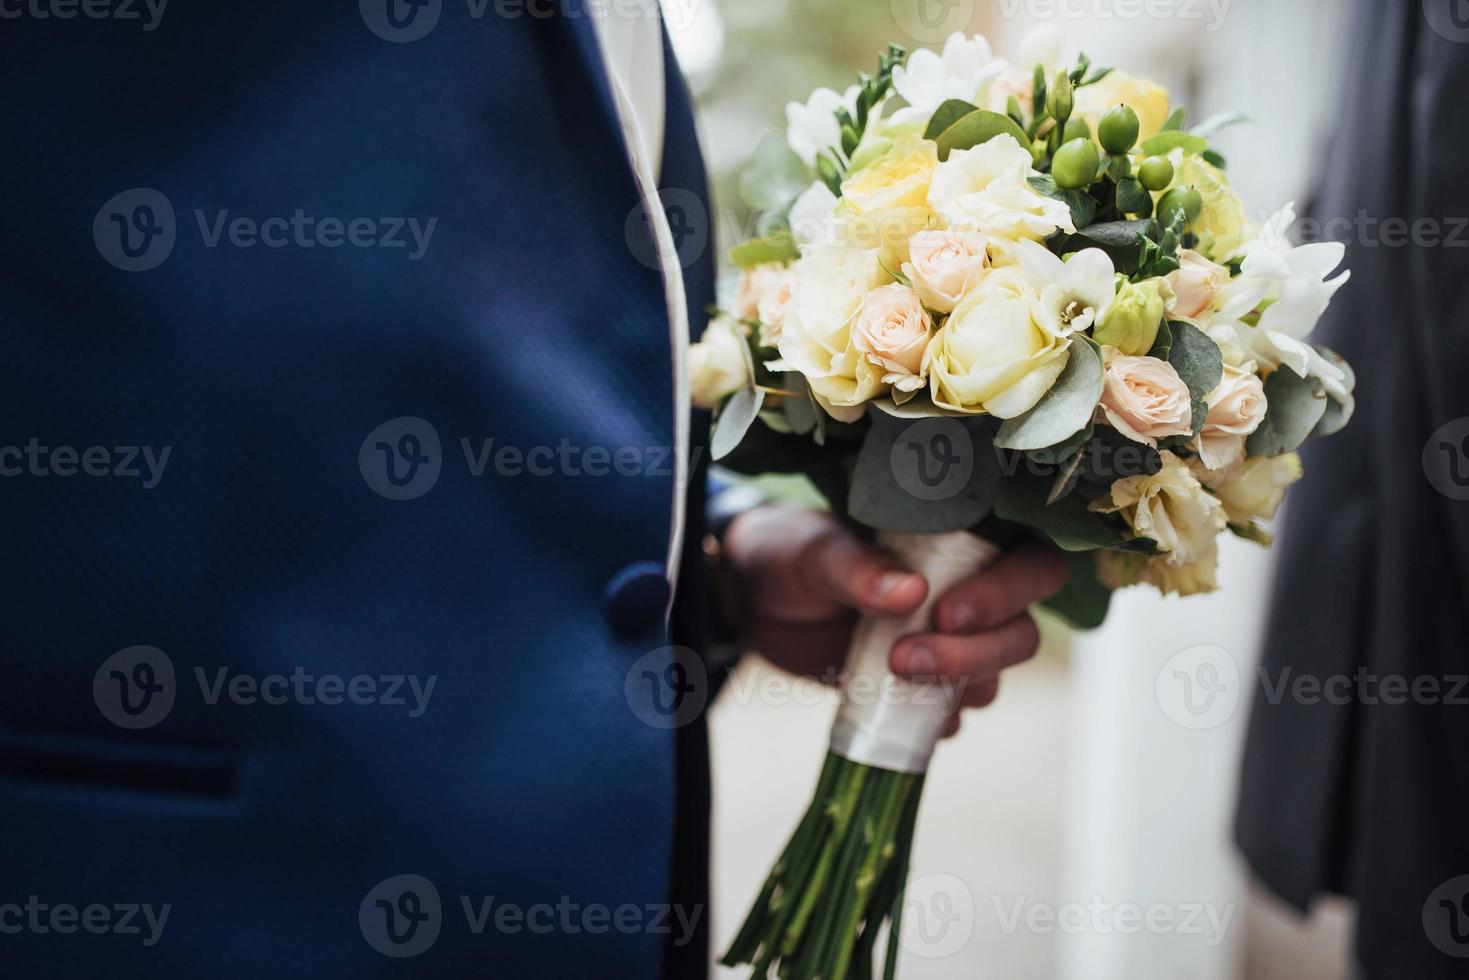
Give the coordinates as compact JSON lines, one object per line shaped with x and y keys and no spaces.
{"x":892,"y":331}
{"x":763,"y":294}
{"x":1236,"y":409}
{"x":1195,"y":283}
{"x":944,"y":264}
{"x":1145,"y":399}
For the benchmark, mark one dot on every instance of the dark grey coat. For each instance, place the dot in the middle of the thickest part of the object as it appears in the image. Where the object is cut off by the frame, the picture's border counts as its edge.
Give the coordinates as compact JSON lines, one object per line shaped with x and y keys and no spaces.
{"x":1368,"y":798}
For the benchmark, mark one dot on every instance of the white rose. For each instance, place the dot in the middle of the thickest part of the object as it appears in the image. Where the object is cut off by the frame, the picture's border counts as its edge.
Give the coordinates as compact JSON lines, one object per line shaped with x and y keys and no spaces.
{"x":892,"y":332}
{"x":984,"y":189}
{"x":944,"y":264}
{"x":1254,"y":490}
{"x":829,"y":285}
{"x":718,"y":363}
{"x":993,"y":354}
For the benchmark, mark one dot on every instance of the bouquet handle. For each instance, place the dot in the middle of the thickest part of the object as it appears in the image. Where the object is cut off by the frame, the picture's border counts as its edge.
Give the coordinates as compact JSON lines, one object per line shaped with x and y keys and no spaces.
{"x":885,"y":721}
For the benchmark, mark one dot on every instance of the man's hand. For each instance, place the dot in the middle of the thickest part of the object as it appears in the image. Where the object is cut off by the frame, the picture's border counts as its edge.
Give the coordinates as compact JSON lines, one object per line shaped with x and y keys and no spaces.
{"x":809,"y":578}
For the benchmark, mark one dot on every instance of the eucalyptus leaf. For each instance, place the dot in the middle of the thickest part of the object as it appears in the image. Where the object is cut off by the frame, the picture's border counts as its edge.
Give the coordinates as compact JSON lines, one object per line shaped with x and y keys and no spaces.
{"x":978,"y":127}
{"x":1169,"y":140}
{"x":1174,"y":121}
{"x":923,"y":476}
{"x":800,"y":413}
{"x":1064,"y":410}
{"x":775,"y":176}
{"x":1067,"y":523}
{"x":946,"y":115}
{"x":734,"y":421}
{"x":1083,"y":600}
{"x":1338,"y":410}
{"x":779,"y":247}
{"x":1293,"y":407}
{"x":1196,"y":358}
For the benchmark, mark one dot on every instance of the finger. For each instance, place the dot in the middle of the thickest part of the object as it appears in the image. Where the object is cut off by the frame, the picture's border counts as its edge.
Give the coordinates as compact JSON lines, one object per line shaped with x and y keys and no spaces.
{"x":1021,"y":578}
{"x":951,"y":727}
{"x":846,"y":570}
{"x":983,"y":694}
{"x":966,"y":660}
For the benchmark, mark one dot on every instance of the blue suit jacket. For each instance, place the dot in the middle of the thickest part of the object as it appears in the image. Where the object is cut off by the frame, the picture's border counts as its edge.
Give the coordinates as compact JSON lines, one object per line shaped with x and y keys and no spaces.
{"x":329,"y":523}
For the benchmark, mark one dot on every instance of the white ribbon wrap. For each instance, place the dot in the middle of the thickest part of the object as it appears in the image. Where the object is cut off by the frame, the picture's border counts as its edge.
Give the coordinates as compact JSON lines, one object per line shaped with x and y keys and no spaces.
{"x":885,"y":721}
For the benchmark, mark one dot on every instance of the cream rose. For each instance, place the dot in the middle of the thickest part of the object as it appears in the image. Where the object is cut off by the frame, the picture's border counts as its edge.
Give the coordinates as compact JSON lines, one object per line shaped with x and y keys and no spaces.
{"x":892,"y":331}
{"x":829,"y":285}
{"x":993,"y":354}
{"x":985,"y":189}
{"x":1253,"y":491}
{"x":942,"y":265}
{"x":718,"y":363}
{"x":1118,"y":570}
{"x":1172,"y":508}
{"x":1236,"y":409}
{"x":1195,"y":283}
{"x":1145,"y":399}
{"x":897,"y":179}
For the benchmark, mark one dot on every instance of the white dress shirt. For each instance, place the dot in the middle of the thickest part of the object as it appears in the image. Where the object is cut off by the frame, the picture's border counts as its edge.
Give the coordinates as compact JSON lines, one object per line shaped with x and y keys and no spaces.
{"x":632,"y":53}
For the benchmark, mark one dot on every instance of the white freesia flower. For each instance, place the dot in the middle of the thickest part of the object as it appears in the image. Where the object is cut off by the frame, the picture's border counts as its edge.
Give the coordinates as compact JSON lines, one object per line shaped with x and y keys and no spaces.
{"x":1073,"y":293}
{"x":985,"y":189}
{"x":929,"y":79}
{"x":1291,"y":285}
{"x":829,"y":285}
{"x":813,"y":127}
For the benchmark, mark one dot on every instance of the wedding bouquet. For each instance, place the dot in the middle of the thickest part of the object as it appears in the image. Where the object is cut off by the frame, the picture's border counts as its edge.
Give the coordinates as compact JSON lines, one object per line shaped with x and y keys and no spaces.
{"x":994,"y":301}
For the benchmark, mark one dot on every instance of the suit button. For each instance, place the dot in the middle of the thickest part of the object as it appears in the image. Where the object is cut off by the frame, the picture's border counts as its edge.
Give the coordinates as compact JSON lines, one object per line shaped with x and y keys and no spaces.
{"x":636,"y":598}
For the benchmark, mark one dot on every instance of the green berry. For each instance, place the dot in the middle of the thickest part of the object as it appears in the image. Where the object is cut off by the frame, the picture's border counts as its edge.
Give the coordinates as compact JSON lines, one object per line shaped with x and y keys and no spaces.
{"x":1181,"y":200}
{"x":1156,"y":173}
{"x":1076,"y":129}
{"x":1075,"y":164}
{"x":1118,"y":129}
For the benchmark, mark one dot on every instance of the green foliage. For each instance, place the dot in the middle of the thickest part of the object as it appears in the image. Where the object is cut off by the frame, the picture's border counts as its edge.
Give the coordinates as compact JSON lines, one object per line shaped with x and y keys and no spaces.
{"x":1064,"y":410}
{"x":979,"y":126}
{"x":775,"y":176}
{"x":1294,"y":406}
{"x":779,"y":247}
{"x":1084,"y":600}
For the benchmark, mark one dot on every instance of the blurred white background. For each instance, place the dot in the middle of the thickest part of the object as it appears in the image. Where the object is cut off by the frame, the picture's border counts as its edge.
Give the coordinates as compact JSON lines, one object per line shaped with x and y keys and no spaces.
{"x":1080,"y":828}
